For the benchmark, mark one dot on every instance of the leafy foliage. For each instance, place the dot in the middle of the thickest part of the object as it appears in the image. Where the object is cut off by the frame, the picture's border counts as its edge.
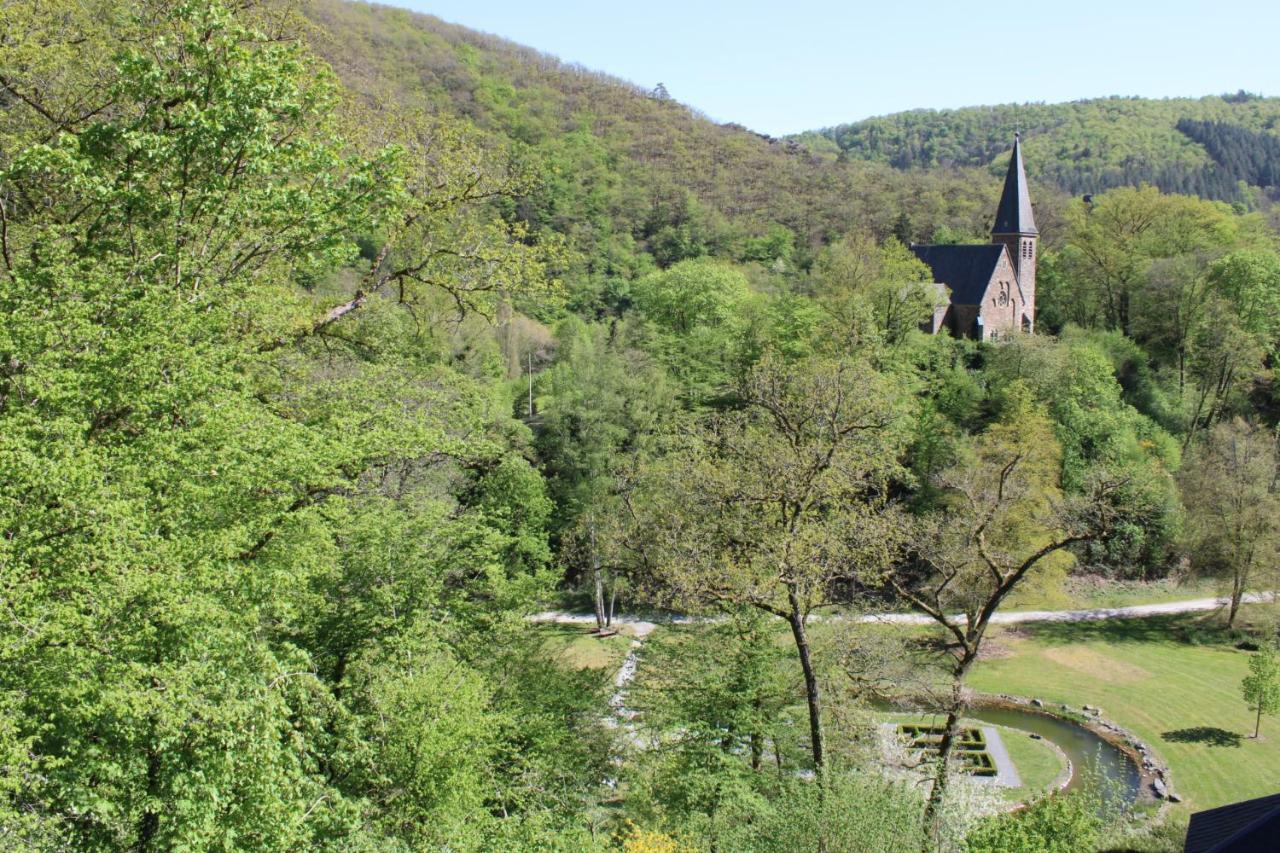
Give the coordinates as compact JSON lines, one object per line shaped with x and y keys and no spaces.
{"x":1262,"y":685}
{"x":229,"y":532}
{"x":1233,"y":506}
{"x":318,"y":377}
{"x":1055,"y":824}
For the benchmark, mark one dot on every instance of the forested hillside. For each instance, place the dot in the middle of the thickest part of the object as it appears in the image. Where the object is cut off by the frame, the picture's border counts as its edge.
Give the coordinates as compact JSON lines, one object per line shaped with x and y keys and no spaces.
{"x":1216,"y":147}
{"x":628,"y":167}
{"x":337,"y":348}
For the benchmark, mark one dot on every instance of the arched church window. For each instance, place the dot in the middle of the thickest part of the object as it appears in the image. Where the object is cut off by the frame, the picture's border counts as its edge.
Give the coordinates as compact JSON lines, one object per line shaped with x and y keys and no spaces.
{"x":1002,"y":299}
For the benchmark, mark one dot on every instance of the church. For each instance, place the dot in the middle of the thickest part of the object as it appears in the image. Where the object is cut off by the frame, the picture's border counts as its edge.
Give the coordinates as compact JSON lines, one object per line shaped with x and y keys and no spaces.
{"x":992,"y":285}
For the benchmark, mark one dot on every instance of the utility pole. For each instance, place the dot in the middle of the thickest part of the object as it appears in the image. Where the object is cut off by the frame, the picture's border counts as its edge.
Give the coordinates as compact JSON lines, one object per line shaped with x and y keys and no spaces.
{"x":531,"y":383}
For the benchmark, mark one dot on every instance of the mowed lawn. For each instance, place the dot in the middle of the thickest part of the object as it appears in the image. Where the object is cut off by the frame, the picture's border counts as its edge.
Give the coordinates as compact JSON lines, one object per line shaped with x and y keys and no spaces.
{"x":1183,"y":698}
{"x":578,"y":647}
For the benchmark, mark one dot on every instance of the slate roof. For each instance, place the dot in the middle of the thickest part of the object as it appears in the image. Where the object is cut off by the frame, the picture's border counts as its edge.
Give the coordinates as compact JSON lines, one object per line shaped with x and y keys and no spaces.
{"x":1014,"y":215}
{"x":1252,"y":826}
{"x":966,"y":270}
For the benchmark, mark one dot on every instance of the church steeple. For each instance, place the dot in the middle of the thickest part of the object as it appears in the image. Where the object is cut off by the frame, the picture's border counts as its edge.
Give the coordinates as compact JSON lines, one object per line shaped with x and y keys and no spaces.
{"x":1014,"y":215}
{"x":1015,"y":227}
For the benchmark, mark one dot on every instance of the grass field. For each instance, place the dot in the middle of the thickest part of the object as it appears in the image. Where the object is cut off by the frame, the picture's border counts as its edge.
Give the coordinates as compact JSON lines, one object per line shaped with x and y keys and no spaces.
{"x":577,"y":647}
{"x":1173,"y":681}
{"x":1038,"y":763}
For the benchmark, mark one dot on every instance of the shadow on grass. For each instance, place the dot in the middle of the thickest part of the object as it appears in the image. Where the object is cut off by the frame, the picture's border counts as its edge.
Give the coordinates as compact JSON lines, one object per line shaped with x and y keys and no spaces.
{"x":1208,"y":735}
{"x":1196,"y":628}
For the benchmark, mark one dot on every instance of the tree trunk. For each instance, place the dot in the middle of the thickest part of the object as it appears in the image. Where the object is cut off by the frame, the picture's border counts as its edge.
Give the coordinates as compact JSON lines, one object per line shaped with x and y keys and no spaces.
{"x":149,"y":823}
{"x":757,"y":739}
{"x":1237,"y":592}
{"x":1219,"y":396}
{"x":598,"y":581}
{"x":602,"y":620}
{"x":1195,"y":417}
{"x":955,"y":711}
{"x":933,"y":809}
{"x":796,"y":619}
{"x":1257,"y":724}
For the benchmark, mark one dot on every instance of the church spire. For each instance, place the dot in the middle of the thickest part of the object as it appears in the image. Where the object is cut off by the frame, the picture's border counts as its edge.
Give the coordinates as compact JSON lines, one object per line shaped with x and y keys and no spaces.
{"x":1014,"y":215}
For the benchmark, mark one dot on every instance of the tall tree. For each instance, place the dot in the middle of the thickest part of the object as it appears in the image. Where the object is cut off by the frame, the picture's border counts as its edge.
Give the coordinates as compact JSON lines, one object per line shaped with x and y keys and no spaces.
{"x":1007,"y":517}
{"x":1231,"y":488}
{"x":694,"y":310}
{"x":604,"y":408}
{"x":1112,"y":240}
{"x":885,"y":287}
{"x":201,"y":384}
{"x":1075,"y":380}
{"x":1237,"y":333}
{"x":771,"y":507}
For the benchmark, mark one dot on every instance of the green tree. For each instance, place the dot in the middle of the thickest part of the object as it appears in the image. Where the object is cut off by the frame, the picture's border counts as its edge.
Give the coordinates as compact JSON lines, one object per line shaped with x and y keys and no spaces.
{"x":695,"y":309}
{"x":603,"y":408}
{"x":773,"y":247}
{"x":718,"y":685}
{"x":1250,"y":281}
{"x":431,"y":737}
{"x":772,"y":506}
{"x":1262,"y":685}
{"x":1006,"y":518}
{"x":1075,"y":379}
{"x":1060,"y":823}
{"x":711,"y":698}
{"x":1238,"y":331}
{"x":893,"y":287}
{"x":147,"y":480}
{"x":1112,"y":241}
{"x":1230,"y":489}
{"x":208,"y":395}
{"x":789,"y":325}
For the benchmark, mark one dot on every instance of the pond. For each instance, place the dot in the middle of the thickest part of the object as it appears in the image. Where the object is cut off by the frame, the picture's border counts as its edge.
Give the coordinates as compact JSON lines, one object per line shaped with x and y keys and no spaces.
{"x":1082,"y":747}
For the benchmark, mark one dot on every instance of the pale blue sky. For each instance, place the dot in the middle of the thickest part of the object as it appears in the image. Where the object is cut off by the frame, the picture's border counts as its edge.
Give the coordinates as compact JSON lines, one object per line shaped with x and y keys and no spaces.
{"x":788,"y":65}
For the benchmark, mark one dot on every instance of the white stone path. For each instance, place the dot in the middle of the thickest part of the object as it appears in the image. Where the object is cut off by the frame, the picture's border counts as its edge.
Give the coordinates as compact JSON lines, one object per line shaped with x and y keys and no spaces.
{"x":1006,"y":772}
{"x":643,"y":626}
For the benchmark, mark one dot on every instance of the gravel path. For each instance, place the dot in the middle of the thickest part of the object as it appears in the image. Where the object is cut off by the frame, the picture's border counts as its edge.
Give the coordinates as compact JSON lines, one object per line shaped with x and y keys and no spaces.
{"x":1137,"y":611}
{"x":1007,"y":773}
